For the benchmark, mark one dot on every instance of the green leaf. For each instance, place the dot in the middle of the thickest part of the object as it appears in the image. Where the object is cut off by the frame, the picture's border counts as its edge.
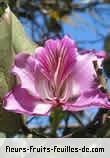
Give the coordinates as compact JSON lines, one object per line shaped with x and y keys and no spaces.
{"x":6,"y":56}
{"x":9,"y":122}
{"x":13,"y":40}
{"x":20,"y":40}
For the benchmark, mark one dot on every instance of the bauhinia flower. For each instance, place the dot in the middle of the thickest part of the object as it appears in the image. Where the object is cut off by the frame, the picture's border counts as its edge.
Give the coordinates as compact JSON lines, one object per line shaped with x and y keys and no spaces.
{"x":57,"y":75}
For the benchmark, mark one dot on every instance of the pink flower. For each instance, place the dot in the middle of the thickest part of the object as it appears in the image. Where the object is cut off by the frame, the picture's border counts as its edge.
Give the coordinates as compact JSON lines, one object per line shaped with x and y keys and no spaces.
{"x":55,"y":76}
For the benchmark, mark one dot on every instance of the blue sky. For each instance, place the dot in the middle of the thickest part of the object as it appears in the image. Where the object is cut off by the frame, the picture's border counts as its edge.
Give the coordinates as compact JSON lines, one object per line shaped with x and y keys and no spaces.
{"x":83,"y":27}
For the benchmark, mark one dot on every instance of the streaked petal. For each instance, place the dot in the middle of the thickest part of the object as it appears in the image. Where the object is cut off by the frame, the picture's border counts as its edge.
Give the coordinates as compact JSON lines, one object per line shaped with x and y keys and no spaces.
{"x":28,"y":70}
{"x":42,"y":85}
{"x":70,"y":90}
{"x":56,"y":59}
{"x":20,"y":101}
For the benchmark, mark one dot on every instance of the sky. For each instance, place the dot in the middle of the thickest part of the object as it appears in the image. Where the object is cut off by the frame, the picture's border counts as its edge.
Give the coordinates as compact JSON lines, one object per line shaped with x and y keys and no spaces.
{"x":83,"y":27}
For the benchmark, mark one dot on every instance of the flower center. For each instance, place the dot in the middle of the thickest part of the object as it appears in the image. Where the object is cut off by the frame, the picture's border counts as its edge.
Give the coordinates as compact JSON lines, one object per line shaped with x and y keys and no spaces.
{"x":56,"y":102}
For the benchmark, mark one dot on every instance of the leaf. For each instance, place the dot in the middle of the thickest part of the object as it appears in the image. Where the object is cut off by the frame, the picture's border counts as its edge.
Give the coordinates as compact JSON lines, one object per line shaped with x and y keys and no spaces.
{"x":9,"y":122}
{"x":20,"y":40}
{"x":6,"y":55}
{"x":12,"y":40}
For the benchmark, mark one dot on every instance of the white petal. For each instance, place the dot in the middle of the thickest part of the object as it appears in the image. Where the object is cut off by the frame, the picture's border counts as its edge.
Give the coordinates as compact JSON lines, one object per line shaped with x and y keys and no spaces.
{"x":42,"y":108}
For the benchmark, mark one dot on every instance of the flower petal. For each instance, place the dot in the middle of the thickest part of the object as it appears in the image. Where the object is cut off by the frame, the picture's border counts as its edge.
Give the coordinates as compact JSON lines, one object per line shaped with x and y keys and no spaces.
{"x":84,"y":73}
{"x":56,"y":59}
{"x":83,"y":77}
{"x":27,"y":68}
{"x":88,"y":100}
{"x":100,"y":54}
{"x":24,"y":70}
{"x":20,"y":101}
{"x":42,"y":108}
{"x":71,"y":90}
{"x":43,"y":85}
